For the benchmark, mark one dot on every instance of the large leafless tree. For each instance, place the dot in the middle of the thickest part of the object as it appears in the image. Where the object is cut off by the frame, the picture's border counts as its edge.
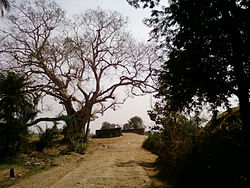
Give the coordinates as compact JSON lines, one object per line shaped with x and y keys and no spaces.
{"x":86,"y":63}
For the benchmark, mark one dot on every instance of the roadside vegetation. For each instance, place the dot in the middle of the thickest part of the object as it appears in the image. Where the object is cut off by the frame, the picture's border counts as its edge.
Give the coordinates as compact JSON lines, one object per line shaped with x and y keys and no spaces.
{"x":190,"y":155}
{"x":29,"y":159}
{"x":203,"y":46}
{"x":20,"y":149}
{"x":199,"y":60}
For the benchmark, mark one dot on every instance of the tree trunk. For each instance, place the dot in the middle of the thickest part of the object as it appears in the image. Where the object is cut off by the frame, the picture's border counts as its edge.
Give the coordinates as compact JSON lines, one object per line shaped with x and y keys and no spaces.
{"x":244,"y":112}
{"x":243,"y":95}
{"x":76,"y":134}
{"x":76,"y":130}
{"x":74,"y":127}
{"x":238,"y":60}
{"x":87,"y":131}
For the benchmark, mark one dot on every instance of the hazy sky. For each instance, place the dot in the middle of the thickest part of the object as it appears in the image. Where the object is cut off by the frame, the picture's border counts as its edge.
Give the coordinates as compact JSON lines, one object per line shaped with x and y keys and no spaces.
{"x":136,"y":106}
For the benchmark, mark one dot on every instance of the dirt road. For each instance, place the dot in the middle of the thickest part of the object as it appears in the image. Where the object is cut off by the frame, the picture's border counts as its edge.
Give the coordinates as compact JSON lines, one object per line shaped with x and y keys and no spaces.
{"x":115,"y":162}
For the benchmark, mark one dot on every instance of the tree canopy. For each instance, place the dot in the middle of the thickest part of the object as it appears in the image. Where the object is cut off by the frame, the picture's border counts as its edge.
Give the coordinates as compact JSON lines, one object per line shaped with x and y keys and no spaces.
{"x":205,"y":49}
{"x":107,"y":125}
{"x":146,"y":3}
{"x":17,"y":108}
{"x":16,"y":101}
{"x":136,"y":122}
{"x":133,"y":123}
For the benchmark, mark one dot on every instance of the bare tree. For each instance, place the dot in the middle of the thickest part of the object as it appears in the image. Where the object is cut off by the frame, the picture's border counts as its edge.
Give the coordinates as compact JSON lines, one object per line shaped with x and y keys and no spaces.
{"x":83,"y":63}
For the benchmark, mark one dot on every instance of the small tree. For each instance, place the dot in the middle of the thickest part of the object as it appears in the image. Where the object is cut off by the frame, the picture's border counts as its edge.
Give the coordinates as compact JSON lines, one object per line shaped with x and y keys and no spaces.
{"x":134,"y":123}
{"x":17,"y":107}
{"x":127,"y":126}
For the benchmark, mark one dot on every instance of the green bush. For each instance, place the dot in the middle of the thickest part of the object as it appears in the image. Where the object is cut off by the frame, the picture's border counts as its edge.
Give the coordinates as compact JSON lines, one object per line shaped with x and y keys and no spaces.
{"x":78,"y":144}
{"x":213,"y":156}
{"x":173,"y":145}
{"x":178,"y":138}
{"x":45,"y":137}
{"x":218,"y":157}
{"x":17,"y":107}
{"x":154,"y":143}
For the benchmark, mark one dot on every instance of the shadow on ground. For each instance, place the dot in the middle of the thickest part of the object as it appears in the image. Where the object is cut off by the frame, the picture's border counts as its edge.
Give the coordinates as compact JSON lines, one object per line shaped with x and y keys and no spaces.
{"x":148,"y":165}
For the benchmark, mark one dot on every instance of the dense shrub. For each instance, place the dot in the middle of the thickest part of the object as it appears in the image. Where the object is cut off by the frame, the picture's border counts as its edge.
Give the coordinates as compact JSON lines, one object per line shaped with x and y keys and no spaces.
{"x":12,"y":136}
{"x":154,"y":143}
{"x":78,"y":144}
{"x":218,"y":157}
{"x":173,"y":146}
{"x":45,"y":137}
{"x":17,"y":107}
{"x":213,"y":156}
{"x":178,"y":138}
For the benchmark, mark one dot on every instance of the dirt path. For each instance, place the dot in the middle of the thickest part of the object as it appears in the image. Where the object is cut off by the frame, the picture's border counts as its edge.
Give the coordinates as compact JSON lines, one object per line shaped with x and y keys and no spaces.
{"x":115,"y":162}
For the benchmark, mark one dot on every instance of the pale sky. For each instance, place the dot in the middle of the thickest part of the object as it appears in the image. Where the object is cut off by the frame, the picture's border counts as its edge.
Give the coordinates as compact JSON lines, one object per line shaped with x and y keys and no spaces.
{"x":139,"y":30}
{"x":136,"y":106}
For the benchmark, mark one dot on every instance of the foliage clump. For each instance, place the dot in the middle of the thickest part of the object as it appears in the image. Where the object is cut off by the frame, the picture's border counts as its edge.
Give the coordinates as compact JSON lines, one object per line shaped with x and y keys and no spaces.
{"x":133,"y":123}
{"x":218,"y":156}
{"x":204,"y":49}
{"x":78,"y":144}
{"x":212,"y":156}
{"x":107,"y":125}
{"x":17,"y":108}
{"x":154,"y":143}
{"x":46,"y":136}
{"x":172,"y":145}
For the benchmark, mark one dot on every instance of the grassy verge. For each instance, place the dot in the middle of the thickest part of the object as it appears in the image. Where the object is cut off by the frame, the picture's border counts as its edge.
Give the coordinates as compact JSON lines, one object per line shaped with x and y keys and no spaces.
{"x":24,"y":167}
{"x":11,"y":181}
{"x":11,"y":162}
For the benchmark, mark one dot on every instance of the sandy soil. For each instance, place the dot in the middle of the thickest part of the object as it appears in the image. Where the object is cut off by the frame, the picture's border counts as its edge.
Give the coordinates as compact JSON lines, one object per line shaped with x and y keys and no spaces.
{"x":114,"y":162}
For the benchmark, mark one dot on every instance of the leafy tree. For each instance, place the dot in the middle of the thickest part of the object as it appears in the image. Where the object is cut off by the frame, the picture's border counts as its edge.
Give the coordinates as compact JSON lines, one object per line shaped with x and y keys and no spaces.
{"x":16,"y":109}
{"x":82,"y":64}
{"x":135,"y":122}
{"x":4,"y":5}
{"x":127,"y":126}
{"x":107,"y":125}
{"x":206,"y":43}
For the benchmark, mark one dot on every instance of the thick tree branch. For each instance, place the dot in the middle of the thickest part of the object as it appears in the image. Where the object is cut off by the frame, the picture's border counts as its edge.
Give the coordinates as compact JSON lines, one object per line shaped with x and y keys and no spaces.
{"x":62,"y":118}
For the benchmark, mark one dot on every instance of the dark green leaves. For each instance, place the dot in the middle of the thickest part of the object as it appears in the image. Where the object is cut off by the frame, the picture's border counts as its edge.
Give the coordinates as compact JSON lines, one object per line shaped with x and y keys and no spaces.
{"x":203,"y":39}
